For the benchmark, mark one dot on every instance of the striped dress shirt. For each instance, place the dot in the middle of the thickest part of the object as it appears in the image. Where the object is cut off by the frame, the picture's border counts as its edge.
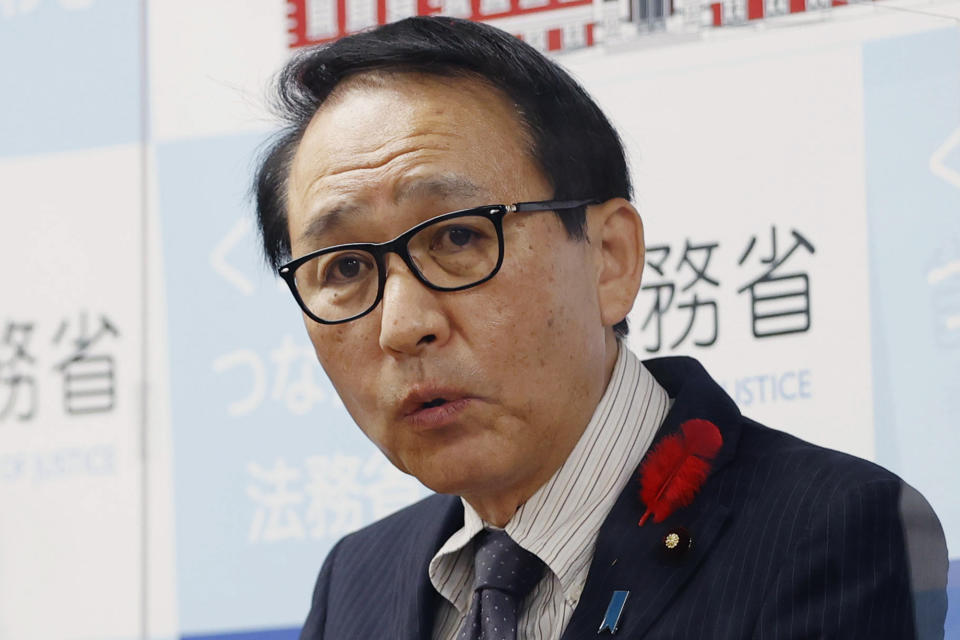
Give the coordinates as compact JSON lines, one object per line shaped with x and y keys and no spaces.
{"x":560,"y":522}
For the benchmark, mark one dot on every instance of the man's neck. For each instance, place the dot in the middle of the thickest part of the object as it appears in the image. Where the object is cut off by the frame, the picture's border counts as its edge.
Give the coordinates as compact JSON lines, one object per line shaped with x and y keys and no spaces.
{"x":497,"y":508}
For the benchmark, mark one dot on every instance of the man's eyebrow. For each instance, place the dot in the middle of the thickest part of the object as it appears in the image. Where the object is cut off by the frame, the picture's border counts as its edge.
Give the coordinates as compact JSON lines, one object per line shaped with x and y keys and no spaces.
{"x":442,"y":186}
{"x":323,"y":222}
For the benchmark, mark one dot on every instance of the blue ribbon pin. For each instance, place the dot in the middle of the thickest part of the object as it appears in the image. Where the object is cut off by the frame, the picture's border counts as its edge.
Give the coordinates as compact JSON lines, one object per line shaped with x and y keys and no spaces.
{"x":612,"y":618}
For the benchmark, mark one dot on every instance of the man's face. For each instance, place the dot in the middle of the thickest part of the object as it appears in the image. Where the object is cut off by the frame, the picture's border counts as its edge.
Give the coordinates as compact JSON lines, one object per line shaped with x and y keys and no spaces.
{"x":519,"y":361}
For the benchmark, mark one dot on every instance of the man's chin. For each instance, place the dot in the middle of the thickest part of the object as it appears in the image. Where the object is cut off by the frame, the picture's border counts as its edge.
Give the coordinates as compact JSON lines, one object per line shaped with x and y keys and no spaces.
{"x":463,"y":462}
{"x":454,"y":484}
{"x":463,"y":477}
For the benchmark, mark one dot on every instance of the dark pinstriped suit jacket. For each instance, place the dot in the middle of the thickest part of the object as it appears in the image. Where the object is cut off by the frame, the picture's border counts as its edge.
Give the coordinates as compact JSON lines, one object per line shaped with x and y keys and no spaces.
{"x":790,"y":540}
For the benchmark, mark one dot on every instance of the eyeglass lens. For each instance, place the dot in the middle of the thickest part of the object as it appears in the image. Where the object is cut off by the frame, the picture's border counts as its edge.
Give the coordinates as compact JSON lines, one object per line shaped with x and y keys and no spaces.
{"x":448,"y":254}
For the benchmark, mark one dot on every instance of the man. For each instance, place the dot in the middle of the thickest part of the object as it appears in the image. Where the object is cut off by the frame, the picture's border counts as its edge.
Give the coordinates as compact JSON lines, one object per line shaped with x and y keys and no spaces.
{"x":465,"y":254}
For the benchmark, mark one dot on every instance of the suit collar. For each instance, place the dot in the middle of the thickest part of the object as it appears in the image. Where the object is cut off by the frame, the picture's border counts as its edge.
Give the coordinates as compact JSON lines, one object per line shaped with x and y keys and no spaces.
{"x":631,"y":558}
{"x":696,"y":395}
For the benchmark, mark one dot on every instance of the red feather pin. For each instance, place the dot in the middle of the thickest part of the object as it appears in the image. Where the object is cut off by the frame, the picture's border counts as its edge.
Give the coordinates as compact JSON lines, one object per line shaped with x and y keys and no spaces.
{"x":676,"y":468}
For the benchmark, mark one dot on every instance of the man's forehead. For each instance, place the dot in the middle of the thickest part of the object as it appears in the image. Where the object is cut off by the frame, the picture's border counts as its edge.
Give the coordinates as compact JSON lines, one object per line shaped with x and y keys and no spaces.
{"x":394,"y":100}
{"x":339,"y":212}
{"x":390,"y":138}
{"x":391,"y":115}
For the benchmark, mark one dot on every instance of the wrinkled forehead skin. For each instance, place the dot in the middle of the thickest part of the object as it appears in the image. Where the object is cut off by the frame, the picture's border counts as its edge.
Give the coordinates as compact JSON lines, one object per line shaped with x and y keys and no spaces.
{"x":341,"y":147}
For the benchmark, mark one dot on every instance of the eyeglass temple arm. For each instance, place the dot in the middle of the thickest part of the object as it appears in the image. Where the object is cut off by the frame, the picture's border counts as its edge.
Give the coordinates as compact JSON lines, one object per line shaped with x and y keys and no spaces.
{"x":550,"y":205}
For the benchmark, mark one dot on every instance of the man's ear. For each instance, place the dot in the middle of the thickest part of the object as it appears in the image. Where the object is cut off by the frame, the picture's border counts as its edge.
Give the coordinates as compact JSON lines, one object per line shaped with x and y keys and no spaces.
{"x":615,"y":232}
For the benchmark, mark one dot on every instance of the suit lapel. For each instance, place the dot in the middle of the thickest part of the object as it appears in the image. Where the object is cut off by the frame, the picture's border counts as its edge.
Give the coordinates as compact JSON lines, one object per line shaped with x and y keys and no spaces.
{"x":415,"y":599}
{"x":632,"y":558}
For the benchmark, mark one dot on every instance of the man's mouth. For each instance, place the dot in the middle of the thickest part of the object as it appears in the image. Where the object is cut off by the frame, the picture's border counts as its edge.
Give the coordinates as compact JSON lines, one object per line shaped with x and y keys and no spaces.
{"x":431,"y":400}
{"x":433,"y":406}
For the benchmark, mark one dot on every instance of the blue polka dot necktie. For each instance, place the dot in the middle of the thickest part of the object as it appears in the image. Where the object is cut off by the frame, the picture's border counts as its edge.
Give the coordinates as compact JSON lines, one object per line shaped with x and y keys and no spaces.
{"x":505,"y":574}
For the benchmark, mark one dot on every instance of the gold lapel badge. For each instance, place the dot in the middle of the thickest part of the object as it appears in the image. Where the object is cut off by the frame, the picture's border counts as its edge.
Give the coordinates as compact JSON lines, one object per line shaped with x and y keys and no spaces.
{"x":676,"y":543}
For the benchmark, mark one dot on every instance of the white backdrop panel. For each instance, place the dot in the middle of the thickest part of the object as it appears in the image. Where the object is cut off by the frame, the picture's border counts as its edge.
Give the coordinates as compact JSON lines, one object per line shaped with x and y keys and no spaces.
{"x":69,"y":451}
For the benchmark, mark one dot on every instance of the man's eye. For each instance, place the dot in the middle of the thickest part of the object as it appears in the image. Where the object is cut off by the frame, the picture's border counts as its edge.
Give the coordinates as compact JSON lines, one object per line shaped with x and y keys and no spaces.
{"x":346,"y":269}
{"x":460,"y":236}
{"x":456,"y":238}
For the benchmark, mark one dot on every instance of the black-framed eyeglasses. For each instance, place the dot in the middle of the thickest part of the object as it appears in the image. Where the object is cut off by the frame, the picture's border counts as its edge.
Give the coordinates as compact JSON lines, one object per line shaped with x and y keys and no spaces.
{"x":450,"y":252}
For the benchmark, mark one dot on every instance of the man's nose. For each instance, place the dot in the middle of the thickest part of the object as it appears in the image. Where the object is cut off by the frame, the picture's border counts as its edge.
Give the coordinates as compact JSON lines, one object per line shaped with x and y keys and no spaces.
{"x":411,"y":314}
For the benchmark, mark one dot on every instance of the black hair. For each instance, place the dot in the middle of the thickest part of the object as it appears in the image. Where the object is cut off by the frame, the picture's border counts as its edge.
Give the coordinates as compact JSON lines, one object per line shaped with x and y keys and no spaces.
{"x":571,"y":140}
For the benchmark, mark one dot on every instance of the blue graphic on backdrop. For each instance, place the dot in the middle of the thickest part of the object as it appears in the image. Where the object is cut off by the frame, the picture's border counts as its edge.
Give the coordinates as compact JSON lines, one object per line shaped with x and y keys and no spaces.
{"x":73,"y":65}
{"x":269,"y":468}
{"x":770,"y":387}
{"x":912,"y":120}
